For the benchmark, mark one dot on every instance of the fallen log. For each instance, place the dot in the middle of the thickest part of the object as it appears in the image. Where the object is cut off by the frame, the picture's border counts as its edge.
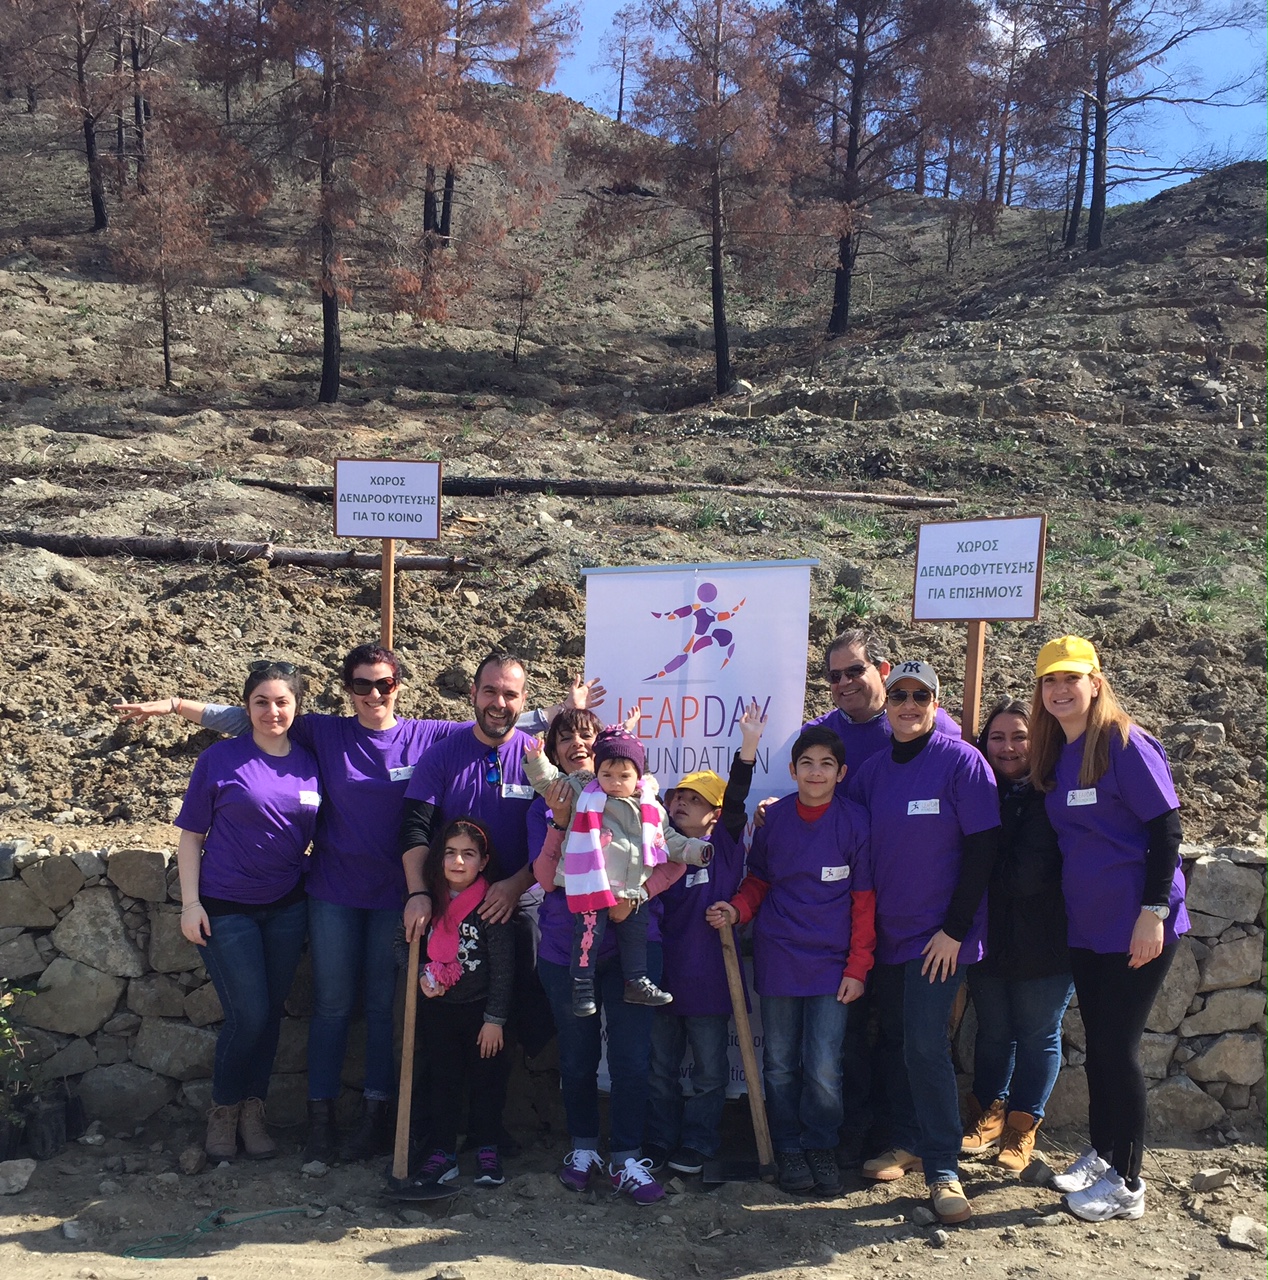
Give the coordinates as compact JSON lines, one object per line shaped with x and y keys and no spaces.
{"x":491,"y":486}
{"x":79,"y":544}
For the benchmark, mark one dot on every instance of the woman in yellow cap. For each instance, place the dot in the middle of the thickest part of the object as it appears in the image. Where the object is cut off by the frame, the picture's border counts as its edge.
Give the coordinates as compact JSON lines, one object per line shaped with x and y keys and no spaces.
{"x":1113,"y":804}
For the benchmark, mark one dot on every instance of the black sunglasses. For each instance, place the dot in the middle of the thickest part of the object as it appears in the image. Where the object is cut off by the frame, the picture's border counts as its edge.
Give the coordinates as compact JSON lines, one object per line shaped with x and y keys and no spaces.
{"x":365,"y":687}
{"x":493,"y":768}
{"x":835,"y":675}
{"x":919,"y":696}
{"x":267,"y":664}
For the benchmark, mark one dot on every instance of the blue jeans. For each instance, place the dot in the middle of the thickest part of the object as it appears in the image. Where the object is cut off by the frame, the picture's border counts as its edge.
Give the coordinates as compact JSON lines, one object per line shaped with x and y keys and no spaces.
{"x":801,"y":1070}
{"x":347,"y":944}
{"x":672,"y":1120}
{"x":920,"y":1083}
{"x":252,"y":961}
{"x":1017,"y":1052}
{"x":629,"y":1053}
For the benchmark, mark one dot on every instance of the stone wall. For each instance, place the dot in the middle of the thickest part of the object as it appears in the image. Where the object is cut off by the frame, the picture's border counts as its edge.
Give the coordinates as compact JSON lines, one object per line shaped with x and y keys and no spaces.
{"x":122,"y":1005}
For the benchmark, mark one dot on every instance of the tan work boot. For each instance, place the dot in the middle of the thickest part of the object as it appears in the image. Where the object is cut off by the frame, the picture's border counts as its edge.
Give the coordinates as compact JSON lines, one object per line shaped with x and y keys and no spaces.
{"x":983,"y":1128}
{"x":222,"y":1132}
{"x":949,"y":1202}
{"x":256,"y":1142}
{"x":1018,"y":1141}
{"x":891,"y":1165}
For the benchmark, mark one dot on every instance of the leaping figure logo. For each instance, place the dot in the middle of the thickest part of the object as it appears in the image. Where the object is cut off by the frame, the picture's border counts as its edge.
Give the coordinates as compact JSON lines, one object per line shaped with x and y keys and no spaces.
{"x":706,"y":633}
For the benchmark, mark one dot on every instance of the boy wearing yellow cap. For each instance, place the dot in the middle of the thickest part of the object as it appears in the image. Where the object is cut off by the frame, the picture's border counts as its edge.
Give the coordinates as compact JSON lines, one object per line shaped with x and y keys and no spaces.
{"x":684,"y":1132}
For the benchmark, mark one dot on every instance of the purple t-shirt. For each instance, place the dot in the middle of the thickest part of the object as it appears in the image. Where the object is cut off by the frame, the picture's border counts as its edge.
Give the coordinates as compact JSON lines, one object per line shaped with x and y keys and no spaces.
{"x":801,"y":934}
{"x":258,"y":813}
{"x":453,"y":777}
{"x":865,"y":738}
{"x":1101,"y":832}
{"x":920,"y":812}
{"x":695,"y":974}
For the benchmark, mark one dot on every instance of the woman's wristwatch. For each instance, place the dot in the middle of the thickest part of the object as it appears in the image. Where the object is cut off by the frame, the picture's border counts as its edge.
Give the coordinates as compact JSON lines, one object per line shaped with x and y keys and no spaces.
{"x":1161,"y":911}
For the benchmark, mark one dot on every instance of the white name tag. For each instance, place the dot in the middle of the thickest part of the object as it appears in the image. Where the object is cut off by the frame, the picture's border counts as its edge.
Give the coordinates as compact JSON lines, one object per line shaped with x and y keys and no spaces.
{"x":1086,"y":795}
{"x":694,"y":878}
{"x":312,"y":798}
{"x":399,"y":775}
{"x":516,"y":791}
{"x":915,"y":807}
{"x":828,"y":874}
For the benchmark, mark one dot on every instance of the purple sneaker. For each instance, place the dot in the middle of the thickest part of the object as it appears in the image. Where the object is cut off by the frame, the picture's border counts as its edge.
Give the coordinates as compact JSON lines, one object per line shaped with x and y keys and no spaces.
{"x":636,"y":1181}
{"x":575,"y":1174}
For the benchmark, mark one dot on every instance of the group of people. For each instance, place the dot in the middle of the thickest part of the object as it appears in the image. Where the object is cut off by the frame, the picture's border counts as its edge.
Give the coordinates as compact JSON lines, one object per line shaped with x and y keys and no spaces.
{"x":549,"y":880}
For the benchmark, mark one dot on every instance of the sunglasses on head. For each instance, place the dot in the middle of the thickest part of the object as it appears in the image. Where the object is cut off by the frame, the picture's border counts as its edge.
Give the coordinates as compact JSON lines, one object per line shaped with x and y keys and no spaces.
{"x":836,"y":675}
{"x":365,"y":687}
{"x":899,"y":696}
{"x":267,"y":664}
{"x":493,"y":768}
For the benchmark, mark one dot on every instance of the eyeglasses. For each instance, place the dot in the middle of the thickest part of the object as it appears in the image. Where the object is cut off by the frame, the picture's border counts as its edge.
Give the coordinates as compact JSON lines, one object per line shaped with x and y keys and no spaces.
{"x":493,"y":768}
{"x":363,"y":688}
{"x":267,"y":664}
{"x":918,"y":696}
{"x":836,"y":676}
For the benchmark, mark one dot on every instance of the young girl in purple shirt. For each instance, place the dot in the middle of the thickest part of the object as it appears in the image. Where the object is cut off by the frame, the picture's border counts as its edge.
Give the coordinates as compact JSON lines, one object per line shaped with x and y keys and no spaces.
{"x":1113,"y":804}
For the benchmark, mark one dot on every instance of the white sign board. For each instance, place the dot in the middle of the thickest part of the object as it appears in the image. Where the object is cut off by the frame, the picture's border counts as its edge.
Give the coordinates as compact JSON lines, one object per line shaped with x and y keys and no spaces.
{"x":975,"y":570}
{"x":386,"y":499}
{"x":690,"y":645}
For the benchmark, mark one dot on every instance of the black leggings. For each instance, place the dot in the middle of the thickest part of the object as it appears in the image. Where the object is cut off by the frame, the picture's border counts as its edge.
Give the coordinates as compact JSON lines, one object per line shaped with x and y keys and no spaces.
{"x":1115,"y":1002}
{"x":447,"y":1034}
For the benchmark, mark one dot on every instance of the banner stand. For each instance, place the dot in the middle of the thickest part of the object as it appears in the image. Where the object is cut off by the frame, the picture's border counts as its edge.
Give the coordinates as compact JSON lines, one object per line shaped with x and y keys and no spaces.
{"x":387,"y":586}
{"x":974,"y":665}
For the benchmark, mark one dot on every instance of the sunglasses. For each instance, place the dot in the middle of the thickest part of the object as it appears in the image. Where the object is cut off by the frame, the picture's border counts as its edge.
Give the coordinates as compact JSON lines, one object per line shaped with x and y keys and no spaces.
{"x":363,"y":688}
{"x":918,"y":696}
{"x":267,"y":664}
{"x":835,"y":675}
{"x":493,"y":768}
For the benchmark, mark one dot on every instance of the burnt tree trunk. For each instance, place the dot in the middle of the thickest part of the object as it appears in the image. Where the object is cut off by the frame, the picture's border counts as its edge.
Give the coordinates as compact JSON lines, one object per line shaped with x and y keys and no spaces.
{"x":847,"y":245}
{"x":446,"y":205}
{"x":331,"y":342}
{"x":96,"y":184}
{"x":1080,"y":174}
{"x":430,"y":221}
{"x":1100,"y":133}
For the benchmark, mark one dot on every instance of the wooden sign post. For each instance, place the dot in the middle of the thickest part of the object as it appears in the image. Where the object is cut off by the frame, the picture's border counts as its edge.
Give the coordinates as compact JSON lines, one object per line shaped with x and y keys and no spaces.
{"x":386,"y":500}
{"x":979,"y":571}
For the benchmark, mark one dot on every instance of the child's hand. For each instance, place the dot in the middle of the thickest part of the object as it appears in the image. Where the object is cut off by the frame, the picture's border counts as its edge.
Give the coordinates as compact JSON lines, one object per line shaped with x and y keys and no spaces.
{"x":722,"y":913}
{"x":849,"y":990}
{"x":630,"y":723}
{"x":752,"y":722}
{"x":535,"y":746}
{"x":489,"y":1040}
{"x":759,"y":816}
{"x":428,"y":987}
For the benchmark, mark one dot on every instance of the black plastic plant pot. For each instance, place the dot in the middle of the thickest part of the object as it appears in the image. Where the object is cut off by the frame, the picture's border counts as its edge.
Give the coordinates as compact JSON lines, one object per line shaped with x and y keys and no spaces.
{"x":46,"y":1127}
{"x":10,"y":1136}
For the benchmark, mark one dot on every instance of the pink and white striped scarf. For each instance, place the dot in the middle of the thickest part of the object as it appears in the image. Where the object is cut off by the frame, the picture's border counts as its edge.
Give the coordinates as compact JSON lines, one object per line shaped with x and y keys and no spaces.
{"x":585,"y":873}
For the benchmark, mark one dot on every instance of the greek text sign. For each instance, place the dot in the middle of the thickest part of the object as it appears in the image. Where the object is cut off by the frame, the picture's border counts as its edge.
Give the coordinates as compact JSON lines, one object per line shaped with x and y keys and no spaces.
{"x":972,"y":570}
{"x":385,"y":499}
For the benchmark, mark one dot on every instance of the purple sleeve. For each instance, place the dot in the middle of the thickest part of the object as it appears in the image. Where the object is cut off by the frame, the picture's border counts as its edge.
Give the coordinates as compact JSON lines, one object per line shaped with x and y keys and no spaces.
{"x":757,"y":858}
{"x":535,"y":821}
{"x":861,"y":861}
{"x":304,"y":728}
{"x":427,"y":782}
{"x":1143,"y":776}
{"x":976,"y":794}
{"x":196,"y":809}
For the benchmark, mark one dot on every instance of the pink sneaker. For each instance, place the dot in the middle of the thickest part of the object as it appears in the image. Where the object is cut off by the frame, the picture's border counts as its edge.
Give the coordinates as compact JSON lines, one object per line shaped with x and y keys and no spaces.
{"x":575,"y":1173}
{"x":636,"y":1181}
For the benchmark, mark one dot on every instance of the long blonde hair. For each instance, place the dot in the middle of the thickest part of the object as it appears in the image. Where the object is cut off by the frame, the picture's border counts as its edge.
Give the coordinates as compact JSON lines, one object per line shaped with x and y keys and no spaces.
{"x":1105,"y":717}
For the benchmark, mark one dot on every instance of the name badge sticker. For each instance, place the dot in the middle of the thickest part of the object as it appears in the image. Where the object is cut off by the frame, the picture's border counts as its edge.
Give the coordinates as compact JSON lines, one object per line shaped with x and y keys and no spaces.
{"x":918,"y":807}
{"x":400,"y":775}
{"x":516,"y":791}
{"x":699,"y":876}
{"x":829,"y":874}
{"x":1085,"y":795}
{"x":310,"y":798}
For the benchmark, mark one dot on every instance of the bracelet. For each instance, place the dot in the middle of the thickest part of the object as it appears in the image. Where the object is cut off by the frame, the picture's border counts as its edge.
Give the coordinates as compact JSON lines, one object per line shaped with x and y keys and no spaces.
{"x":557,"y":827}
{"x":418,"y":893}
{"x":187,"y":905}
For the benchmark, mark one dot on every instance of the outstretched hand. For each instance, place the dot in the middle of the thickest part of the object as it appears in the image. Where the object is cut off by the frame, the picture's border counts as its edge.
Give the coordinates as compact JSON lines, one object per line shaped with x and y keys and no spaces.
{"x":135,"y":712}
{"x":585,"y":695}
{"x":752,"y":723}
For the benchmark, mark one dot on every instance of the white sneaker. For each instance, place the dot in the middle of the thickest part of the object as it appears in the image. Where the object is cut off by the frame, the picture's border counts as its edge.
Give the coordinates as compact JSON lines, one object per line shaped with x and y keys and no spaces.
{"x":635,"y":1180}
{"x":1089,"y":1168}
{"x":1106,"y":1199}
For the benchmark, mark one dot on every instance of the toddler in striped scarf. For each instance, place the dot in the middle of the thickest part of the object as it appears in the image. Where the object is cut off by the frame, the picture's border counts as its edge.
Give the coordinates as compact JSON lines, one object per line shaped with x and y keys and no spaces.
{"x":618,"y":834}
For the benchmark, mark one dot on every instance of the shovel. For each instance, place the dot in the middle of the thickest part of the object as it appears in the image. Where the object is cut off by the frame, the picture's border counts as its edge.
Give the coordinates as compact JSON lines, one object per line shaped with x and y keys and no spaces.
{"x":763,"y":1168}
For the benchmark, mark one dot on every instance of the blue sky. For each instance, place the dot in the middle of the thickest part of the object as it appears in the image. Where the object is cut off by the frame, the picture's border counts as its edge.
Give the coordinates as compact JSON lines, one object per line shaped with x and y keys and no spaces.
{"x":1170,"y":133}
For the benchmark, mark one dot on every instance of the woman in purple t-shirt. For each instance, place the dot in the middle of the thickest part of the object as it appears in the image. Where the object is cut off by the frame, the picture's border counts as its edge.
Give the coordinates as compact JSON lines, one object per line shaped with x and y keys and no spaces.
{"x":1111,"y":799}
{"x":249,"y":815}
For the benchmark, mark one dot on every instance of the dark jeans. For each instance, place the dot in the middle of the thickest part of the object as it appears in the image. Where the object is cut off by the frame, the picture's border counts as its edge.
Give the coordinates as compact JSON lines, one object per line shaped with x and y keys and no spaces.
{"x":447,"y":1033}
{"x":1114,"y":1002}
{"x":588,"y":928}
{"x":629,"y":1028}
{"x":1017,"y":1051}
{"x":924,"y":1103}
{"x":673,"y":1120}
{"x":351,"y":947}
{"x":801,"y":1070}
{"x":252,"y":960}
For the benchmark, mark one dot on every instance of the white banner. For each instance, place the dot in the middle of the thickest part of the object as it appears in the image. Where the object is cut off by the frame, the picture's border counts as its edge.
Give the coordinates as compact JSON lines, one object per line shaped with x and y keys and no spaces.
{"x":690,"y":645}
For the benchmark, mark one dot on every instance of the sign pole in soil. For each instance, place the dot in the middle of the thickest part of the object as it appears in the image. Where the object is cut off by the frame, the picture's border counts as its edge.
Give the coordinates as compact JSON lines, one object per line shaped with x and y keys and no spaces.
{"x":387,"y":500}
{"x":979,"y":571}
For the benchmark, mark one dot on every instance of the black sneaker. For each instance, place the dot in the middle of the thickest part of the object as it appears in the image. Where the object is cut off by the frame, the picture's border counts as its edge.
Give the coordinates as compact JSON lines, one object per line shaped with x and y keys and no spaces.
{"x":583,"y":1005}
{"x":489,"y":1168}
{"x":657,"y":1154}
{"x":823,"y":1166}
{"x":687,"y":1160}
{"x":794,"y":1172}
{"x":644,"y":991}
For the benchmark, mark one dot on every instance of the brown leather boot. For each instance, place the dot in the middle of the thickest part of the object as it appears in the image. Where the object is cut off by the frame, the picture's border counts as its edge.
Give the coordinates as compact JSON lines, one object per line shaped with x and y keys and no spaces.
{"x":222,"y":1132}
{"x":983,"y":1128}
{"x":256,"y":1143}
{"x":1017,"y":1141}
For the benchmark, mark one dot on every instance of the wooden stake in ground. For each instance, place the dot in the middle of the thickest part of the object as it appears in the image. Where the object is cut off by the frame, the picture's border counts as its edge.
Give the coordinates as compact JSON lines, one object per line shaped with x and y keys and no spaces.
{"x":744,"y":1033}
{"x":405,"y":1090}
{"x":387,"y":600}
{"x":974,"y":661}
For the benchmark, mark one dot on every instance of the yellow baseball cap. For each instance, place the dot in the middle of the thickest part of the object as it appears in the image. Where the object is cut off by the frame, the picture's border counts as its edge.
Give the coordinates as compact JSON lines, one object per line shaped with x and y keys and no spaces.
{"x":1069,"y":653}
{"x":705,"y":783}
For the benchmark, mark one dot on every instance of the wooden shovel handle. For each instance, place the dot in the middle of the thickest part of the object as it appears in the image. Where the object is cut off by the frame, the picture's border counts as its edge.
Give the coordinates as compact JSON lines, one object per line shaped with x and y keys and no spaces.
{"x":744,"y":1033}
{"x":405,"y":1091}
